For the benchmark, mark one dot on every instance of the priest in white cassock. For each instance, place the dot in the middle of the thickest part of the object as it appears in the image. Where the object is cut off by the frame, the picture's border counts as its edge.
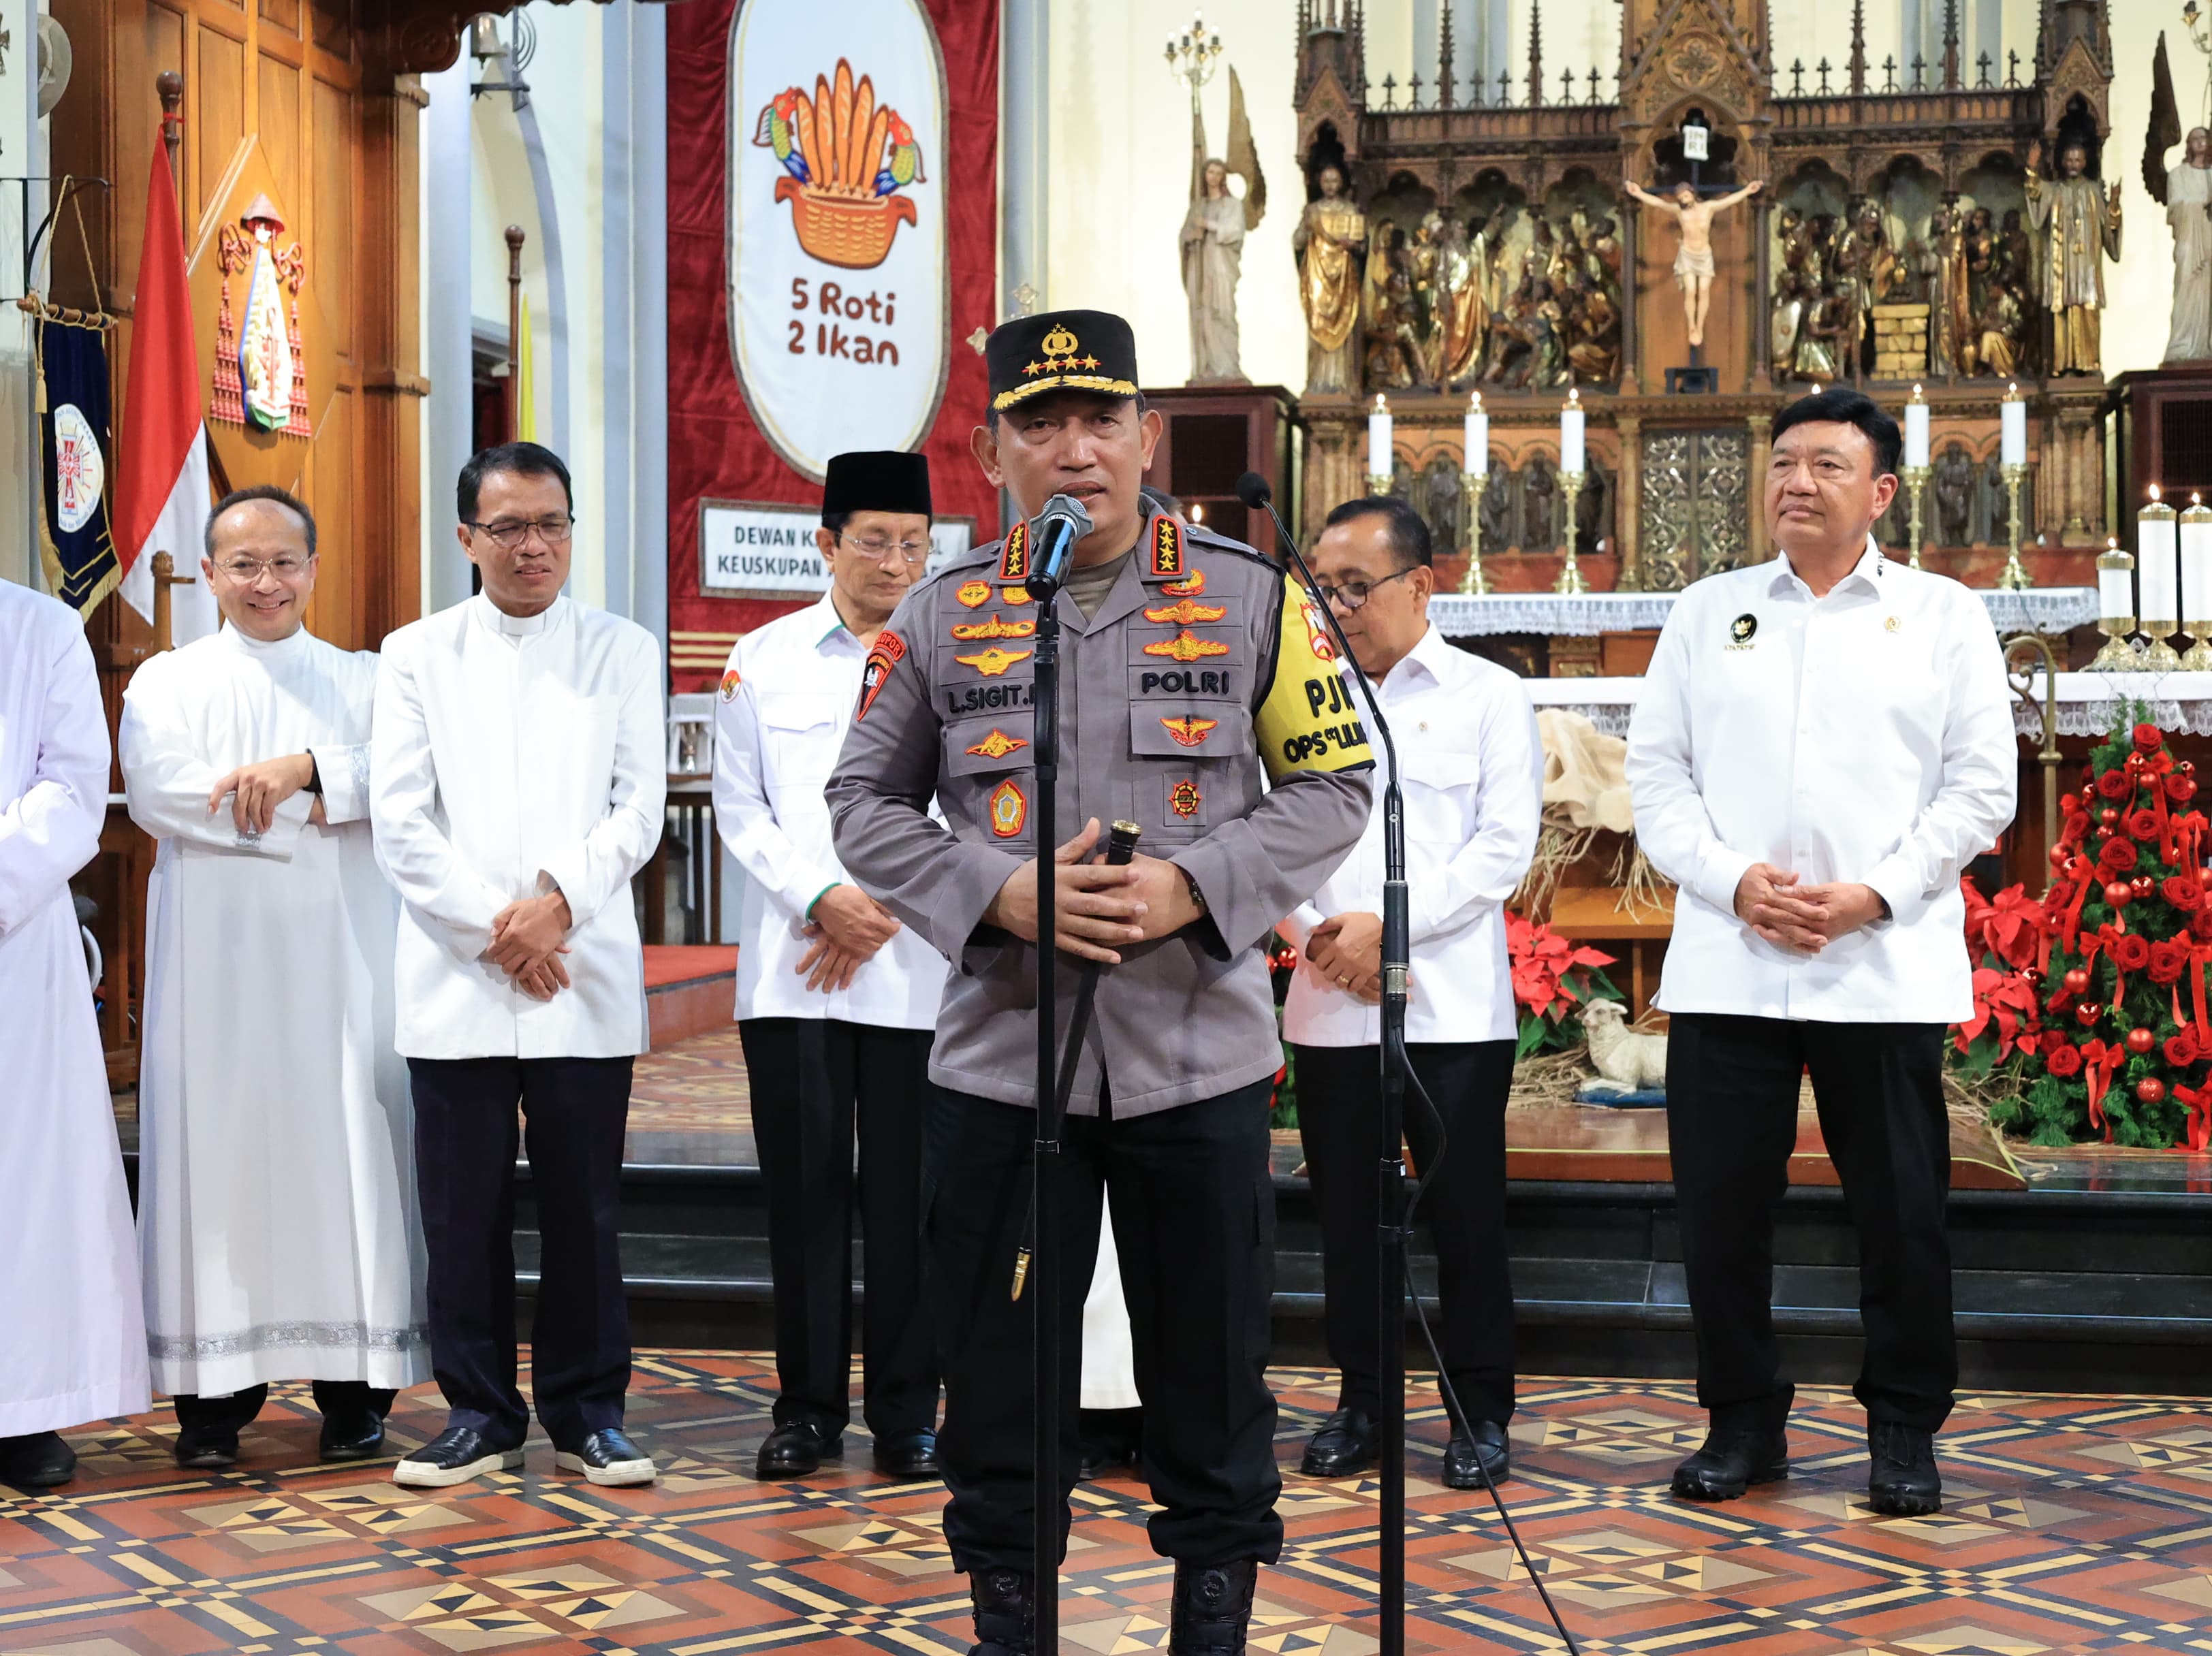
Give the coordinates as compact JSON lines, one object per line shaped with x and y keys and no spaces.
{"x":520,"y":777}
{"x":72,"y":1346}
{"x":276,"y":1222}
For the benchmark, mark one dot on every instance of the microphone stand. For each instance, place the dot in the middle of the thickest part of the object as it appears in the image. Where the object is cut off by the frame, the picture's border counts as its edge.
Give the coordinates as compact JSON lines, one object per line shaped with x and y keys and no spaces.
{"x":1392,"y":1232}
{"x":1044,"y":1177}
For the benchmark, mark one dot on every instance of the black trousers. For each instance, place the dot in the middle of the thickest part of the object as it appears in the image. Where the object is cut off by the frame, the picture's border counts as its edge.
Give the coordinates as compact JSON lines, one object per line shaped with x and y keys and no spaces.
{"x":240,"y":1409}
{"x":1194,"y":1226}
{"x":465,"y":1136}
{"x":1731,"y":1123}
{"x":1339,"y":1104}
{"x":812,"y":1079}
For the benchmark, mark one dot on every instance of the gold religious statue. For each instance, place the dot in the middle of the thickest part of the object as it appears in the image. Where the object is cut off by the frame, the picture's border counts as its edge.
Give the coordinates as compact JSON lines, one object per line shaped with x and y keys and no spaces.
{"x":1464,"y":272}
{"x":1694,"y":265}
{"x":1330,"y":242}
{"x":2081,"y":228}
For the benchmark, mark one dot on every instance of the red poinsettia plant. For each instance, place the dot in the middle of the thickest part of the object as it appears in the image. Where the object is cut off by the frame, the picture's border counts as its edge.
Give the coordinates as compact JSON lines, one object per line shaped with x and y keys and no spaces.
{"x":1554,"y":978}
{"x":2093,"y":998}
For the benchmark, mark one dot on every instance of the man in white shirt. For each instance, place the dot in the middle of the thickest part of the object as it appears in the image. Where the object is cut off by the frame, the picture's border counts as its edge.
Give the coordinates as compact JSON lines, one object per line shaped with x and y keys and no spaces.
{"x":837,"y":1000}
{"x":519,"y":781}
{"x":1472,"y":773}
{"x":1822,"y":744}
{"x":276,"y":1224}
{"x":75,"y":1345}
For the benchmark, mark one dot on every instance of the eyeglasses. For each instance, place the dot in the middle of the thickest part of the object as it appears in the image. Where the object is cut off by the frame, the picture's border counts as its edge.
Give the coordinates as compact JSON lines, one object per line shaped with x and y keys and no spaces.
{"x":1353,"y":594}
{"x":508,"y":533}
{"x":246,"y":571}
{"x":915,"y":552}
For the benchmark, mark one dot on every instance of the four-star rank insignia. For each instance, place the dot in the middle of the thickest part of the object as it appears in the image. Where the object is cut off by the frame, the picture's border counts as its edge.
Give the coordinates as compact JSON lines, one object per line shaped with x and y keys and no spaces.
{"x":1187,"y":729}
{"x":1166,"y":546}
{"x":994,"y":661}
{"x":971,"y":632}
{"x":1184,"y":611}
{"x":997,"y":745}
{"x":1184,"y":798}
{"x":1010,"y":809}
{"x":974,"y":593}
{"x":1014,"y":556}
{"x":1187,"y":648}
{"x":1189,"y":587}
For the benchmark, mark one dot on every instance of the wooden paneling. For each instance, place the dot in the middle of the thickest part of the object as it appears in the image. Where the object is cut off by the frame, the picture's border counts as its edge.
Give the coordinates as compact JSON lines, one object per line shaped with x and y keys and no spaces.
{"x":330,"y":208}
{"x":344,"y":578}
{"x":217,"y":113}
{"x":281,"y":16}
{"x":279,"y":131}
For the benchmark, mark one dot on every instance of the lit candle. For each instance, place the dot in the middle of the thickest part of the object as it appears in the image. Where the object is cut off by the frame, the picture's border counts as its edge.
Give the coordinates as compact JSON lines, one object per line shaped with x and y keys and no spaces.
{"x":1570,"y":433}
{"x":2197,"y":561}
{"x":1378,"y":439}
{"x":2012,"y":419}
{"x":1916,"y":429}
{"x":1478,"y":436}
{"x":2155,"y":562}
{"x":2116,"y":587}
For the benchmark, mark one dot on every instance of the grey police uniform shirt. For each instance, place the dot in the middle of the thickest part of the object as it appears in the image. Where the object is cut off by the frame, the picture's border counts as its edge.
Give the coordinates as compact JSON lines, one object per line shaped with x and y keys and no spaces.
{"x":1201,"y":700}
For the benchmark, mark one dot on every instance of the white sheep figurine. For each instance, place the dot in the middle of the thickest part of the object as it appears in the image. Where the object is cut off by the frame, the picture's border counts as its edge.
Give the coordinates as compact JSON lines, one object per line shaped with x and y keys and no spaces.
{"x":1631,"y":1060}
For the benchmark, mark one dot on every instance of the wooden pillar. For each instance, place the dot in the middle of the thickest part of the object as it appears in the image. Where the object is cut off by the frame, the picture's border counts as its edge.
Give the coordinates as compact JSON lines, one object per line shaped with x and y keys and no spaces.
{"x":513,"y":394}
{"x":1762,"y":301}
{"x":390,"y":501}
{"x":1631,"y":376}
{"x":1762,"y":452}
{"x":1628,"y":501}
{"x":169,"y":87}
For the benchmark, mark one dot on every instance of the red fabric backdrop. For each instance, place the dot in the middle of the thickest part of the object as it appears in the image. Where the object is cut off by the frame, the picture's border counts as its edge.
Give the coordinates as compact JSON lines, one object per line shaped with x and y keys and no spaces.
{"x":715,"y":449}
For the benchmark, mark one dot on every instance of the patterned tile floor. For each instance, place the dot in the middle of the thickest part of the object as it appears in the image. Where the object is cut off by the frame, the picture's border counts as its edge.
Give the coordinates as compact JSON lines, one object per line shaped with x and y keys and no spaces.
{"x":2074,"y":1524}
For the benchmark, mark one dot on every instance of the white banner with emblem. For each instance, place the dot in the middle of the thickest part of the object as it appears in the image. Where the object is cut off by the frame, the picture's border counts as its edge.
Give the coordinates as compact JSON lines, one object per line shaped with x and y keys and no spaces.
{"x":839,"y":318}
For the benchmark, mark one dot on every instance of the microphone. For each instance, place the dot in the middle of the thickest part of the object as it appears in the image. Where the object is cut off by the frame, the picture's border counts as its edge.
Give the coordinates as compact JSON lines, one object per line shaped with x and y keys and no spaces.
{"x":1053,"y":536}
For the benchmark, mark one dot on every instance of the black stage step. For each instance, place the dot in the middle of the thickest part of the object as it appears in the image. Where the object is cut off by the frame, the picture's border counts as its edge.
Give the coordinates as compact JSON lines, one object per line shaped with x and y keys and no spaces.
{"x":2072,"y":1289}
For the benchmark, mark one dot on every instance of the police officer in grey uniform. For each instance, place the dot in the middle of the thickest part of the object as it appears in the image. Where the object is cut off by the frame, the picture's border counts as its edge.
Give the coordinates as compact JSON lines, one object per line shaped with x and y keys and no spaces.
{"x":1192,"y":671}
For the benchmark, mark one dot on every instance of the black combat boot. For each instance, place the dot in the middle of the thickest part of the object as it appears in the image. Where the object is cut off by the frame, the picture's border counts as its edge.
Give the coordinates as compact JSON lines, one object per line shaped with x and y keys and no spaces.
{"x":1212,"y":1607}
{"x":1005,"y":1612}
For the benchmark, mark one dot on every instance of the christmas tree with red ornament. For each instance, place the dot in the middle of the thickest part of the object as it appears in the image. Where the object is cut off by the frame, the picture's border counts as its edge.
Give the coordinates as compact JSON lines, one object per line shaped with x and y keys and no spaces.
{"x":2095,"y":999}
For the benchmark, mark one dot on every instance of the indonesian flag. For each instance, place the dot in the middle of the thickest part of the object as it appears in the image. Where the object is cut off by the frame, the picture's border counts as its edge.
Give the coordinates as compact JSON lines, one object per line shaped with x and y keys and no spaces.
{"x":161,"y":497}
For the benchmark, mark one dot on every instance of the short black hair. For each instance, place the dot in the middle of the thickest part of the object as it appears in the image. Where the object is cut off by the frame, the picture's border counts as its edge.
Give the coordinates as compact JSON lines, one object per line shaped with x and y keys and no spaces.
{"x":523,"y":459}
{"x":1842,"y":405}
{"x":1409,"y":533}
{"x":282,"y":497}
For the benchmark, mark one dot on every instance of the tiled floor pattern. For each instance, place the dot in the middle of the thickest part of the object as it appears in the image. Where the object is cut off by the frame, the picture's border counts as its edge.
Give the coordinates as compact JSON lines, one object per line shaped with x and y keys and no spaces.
{"x":2074,"y":1524}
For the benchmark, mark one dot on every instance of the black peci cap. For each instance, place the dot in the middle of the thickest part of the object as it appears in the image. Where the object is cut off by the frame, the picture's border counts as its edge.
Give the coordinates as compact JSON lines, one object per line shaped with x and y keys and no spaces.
{"x":1060,"y":350}
{"x":877,"y":480}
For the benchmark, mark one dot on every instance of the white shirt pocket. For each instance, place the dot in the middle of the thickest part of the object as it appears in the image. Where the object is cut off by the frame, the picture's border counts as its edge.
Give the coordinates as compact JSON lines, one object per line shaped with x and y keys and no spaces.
{"x":801,"y":735}
{"x":1441,"y":786}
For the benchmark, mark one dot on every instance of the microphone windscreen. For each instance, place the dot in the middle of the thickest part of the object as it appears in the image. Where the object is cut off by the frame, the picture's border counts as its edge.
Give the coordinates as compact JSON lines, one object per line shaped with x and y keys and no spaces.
{"x":1252,"y":489}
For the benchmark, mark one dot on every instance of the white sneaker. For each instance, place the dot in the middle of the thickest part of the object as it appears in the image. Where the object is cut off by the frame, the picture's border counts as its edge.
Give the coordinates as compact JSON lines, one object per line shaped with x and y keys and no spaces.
{"x":454,"y":1456}
{"x":608,"y":1458}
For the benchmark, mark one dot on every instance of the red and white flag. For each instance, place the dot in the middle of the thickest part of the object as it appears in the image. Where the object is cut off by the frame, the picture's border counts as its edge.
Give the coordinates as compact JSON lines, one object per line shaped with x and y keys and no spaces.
{"x":161,"y":497}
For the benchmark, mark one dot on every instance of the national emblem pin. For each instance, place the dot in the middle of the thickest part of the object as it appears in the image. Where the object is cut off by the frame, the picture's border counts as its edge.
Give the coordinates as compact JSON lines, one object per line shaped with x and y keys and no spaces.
{"x":730,"y":682}
{"x":1742,"y":630}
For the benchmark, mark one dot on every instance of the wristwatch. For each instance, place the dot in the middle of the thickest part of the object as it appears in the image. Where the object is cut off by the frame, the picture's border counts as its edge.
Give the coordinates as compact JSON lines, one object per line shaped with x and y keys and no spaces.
{"x":314,"y":775}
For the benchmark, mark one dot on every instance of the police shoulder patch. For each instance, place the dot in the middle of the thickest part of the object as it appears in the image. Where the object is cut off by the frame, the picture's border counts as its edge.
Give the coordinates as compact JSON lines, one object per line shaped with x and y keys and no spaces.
{"x":889,"y":650}
{"x":730,"y":682}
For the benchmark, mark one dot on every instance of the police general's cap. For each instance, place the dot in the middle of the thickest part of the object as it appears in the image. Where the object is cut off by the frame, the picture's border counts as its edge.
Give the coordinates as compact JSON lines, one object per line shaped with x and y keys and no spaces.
{"x":1060,"y":350}
{"x":877,"y":480}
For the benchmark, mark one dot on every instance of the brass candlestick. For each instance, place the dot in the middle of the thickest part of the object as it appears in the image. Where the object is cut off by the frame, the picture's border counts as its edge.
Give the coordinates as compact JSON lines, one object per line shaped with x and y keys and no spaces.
{"x":2014,"y":579}
{"x":1474,"y":583}
{"x":1379,"y":483}
{"x":2160,"y":657}
{"x":1570,"y":575}
{"x":2195,"y":522}
{"x":1915,"y":480}
{"x":2118,"y":655}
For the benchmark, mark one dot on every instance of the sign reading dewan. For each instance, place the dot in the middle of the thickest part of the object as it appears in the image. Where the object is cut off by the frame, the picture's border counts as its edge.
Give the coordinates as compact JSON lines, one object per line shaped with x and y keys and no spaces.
{"x":839,"y":317}
{"x":760,"y":551}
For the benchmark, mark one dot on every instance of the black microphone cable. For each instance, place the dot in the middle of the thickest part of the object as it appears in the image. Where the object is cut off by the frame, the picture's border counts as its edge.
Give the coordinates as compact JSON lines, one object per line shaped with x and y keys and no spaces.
{"x":1253,"y":490}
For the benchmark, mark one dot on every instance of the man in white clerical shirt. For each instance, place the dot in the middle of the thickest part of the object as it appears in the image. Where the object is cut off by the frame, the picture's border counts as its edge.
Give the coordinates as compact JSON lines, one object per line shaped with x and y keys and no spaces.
{"x":1823,"y":743}
{"x":837,"y":1000}
{"x":74,"y":1346}
{"x":277,"y":1225}
{"x":520,"y":779}
{"x":1474,"y":782}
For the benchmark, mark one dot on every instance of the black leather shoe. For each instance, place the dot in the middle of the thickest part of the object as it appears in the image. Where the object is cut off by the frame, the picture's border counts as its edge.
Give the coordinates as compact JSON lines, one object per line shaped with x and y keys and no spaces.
{"x":1212,"y":1607}
{"x":797,"y":1449}
{"x":1005,"y":1612}
{"x":1903,"y":1482}
{"x":1110,"y":1441}
{"x":1732,"y":1460}
{"x":352,"y":1435}
{"x":609,"y":1458}
{"x":1344,"y":1447}
{"x":1469,"y":1456}
{"x":207,"y":1447}
{"x":36,"y":1460}
{"x":908,"y":1455}
{"x":454,"y":1456}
